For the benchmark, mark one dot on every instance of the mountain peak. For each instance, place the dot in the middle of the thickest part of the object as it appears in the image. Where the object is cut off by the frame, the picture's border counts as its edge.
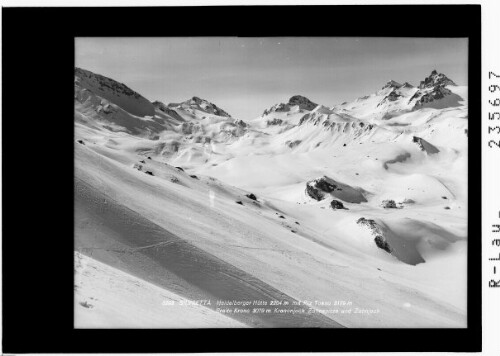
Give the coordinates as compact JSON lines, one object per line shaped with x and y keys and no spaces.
{"x":392,"y":84}
{"x":114,"y":91}
{"x":205,"y":106}
{"x":302,"y":102}
{"x":436,"y":79}
{"x":105,"y":82}
{"x":297,"y":100}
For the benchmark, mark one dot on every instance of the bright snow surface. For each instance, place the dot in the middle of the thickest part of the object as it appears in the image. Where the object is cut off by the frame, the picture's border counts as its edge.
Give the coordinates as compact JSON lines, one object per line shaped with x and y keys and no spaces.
{"x":145,"y":237}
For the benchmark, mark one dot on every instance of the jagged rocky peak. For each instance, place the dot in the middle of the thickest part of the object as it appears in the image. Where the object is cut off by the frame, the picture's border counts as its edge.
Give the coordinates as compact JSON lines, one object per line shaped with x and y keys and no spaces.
{"x":302,"y":102}
{"x":436,"y":79}
{"x":406,"y":85}
{"x":392,"y":84}
{"x":205,"y":106}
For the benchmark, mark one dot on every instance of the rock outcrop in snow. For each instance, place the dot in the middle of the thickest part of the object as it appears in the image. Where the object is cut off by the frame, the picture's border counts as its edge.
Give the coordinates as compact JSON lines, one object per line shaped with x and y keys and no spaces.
{"x":425,"y":146}
{"x":318,"y":189}
{"x":377,"y":232}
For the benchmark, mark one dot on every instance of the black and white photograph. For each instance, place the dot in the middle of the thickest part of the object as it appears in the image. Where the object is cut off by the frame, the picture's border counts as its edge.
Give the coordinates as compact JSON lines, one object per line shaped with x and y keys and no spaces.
{"x":220,"y":177}
{"x":270,"y":182}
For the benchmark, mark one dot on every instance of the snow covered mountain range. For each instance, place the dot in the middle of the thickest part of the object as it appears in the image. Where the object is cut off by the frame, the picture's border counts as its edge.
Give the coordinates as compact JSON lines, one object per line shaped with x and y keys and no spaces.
{"x":362,"y":202}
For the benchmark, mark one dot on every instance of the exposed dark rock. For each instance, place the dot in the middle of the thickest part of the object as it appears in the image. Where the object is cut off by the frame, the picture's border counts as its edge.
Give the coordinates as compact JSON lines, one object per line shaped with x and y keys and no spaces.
{"x":138,"y":167}
{"x":297,"y":223}
{"x":251,"y":196}
{"x":274,"y":122}
{"x":206,"y":106}
{"x":167,"y":110}
{"x":81,"y":142}
{"x":281,"y":217}
{"x":149,"y":172}
{"x":336,"y":204}
{"x":193,"y":176}
{"x":180,"y":169}
{"x":436,"y":93}
{"x":142,"y":161}
{"x":302,"y":102}
{"x":87,"y":305}
{"x":345,"y":144}
{"x":447,"y":207}
{"x":292,"y":144}
{"x":149,"y":157}
{"x":174,"y":179}
{"x":381,"y":243}
{"x":389,"y":204}
{"x":239,"y":202}
{"x":375,"y":229}
{"x":392,"y":96}
{"x":392,"y":84}
{"x":294,"y":231}
{"x":240,"y":123}
{"x":444,"y":197}
{"x":317,"y":187}
{"x":314,"y":193}
{"x":436,"y":79}
{"x":425,"y":146}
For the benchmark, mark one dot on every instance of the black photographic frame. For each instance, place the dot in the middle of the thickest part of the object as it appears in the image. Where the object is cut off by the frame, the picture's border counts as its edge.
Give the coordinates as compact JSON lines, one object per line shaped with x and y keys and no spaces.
{"x":38,"y":72}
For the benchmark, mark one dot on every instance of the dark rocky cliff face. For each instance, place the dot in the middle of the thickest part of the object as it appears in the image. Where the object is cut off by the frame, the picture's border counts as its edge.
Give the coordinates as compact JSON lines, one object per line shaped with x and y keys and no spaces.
{"x":302,"y":102}
{"x":436,"y":79}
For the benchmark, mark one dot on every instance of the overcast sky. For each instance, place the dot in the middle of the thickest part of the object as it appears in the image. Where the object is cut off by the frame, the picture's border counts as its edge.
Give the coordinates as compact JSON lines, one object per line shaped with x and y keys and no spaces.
{"x":244,"y":76}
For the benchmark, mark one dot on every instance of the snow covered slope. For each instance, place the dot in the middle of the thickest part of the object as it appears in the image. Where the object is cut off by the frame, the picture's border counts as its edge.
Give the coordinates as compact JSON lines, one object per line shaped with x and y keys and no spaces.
{"x":106,"y":297}
{"x":210,"y":207}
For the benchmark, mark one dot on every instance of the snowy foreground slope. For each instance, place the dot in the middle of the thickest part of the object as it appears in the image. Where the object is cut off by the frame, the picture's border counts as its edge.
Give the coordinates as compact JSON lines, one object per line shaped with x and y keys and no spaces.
{"x":353,"y":215}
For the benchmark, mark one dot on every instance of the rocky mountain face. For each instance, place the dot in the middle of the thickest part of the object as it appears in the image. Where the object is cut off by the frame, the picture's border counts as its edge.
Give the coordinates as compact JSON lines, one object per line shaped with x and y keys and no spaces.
{"x":196,"y":103}
{"x":392,"y":84}
{"x":301,"y":102}
{"x":112,"y":91}
{"x":436,"y":79}
{"x":104,"y":102}
{"x":167,"y":110}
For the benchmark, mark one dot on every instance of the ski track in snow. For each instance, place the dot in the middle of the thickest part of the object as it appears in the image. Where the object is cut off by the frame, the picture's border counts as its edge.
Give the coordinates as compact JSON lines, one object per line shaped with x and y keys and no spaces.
{"x":215,"y":277}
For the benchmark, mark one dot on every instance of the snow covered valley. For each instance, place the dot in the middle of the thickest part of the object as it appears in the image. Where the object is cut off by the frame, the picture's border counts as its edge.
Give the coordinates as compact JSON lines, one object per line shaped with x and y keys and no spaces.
{"x":353,"y":215}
